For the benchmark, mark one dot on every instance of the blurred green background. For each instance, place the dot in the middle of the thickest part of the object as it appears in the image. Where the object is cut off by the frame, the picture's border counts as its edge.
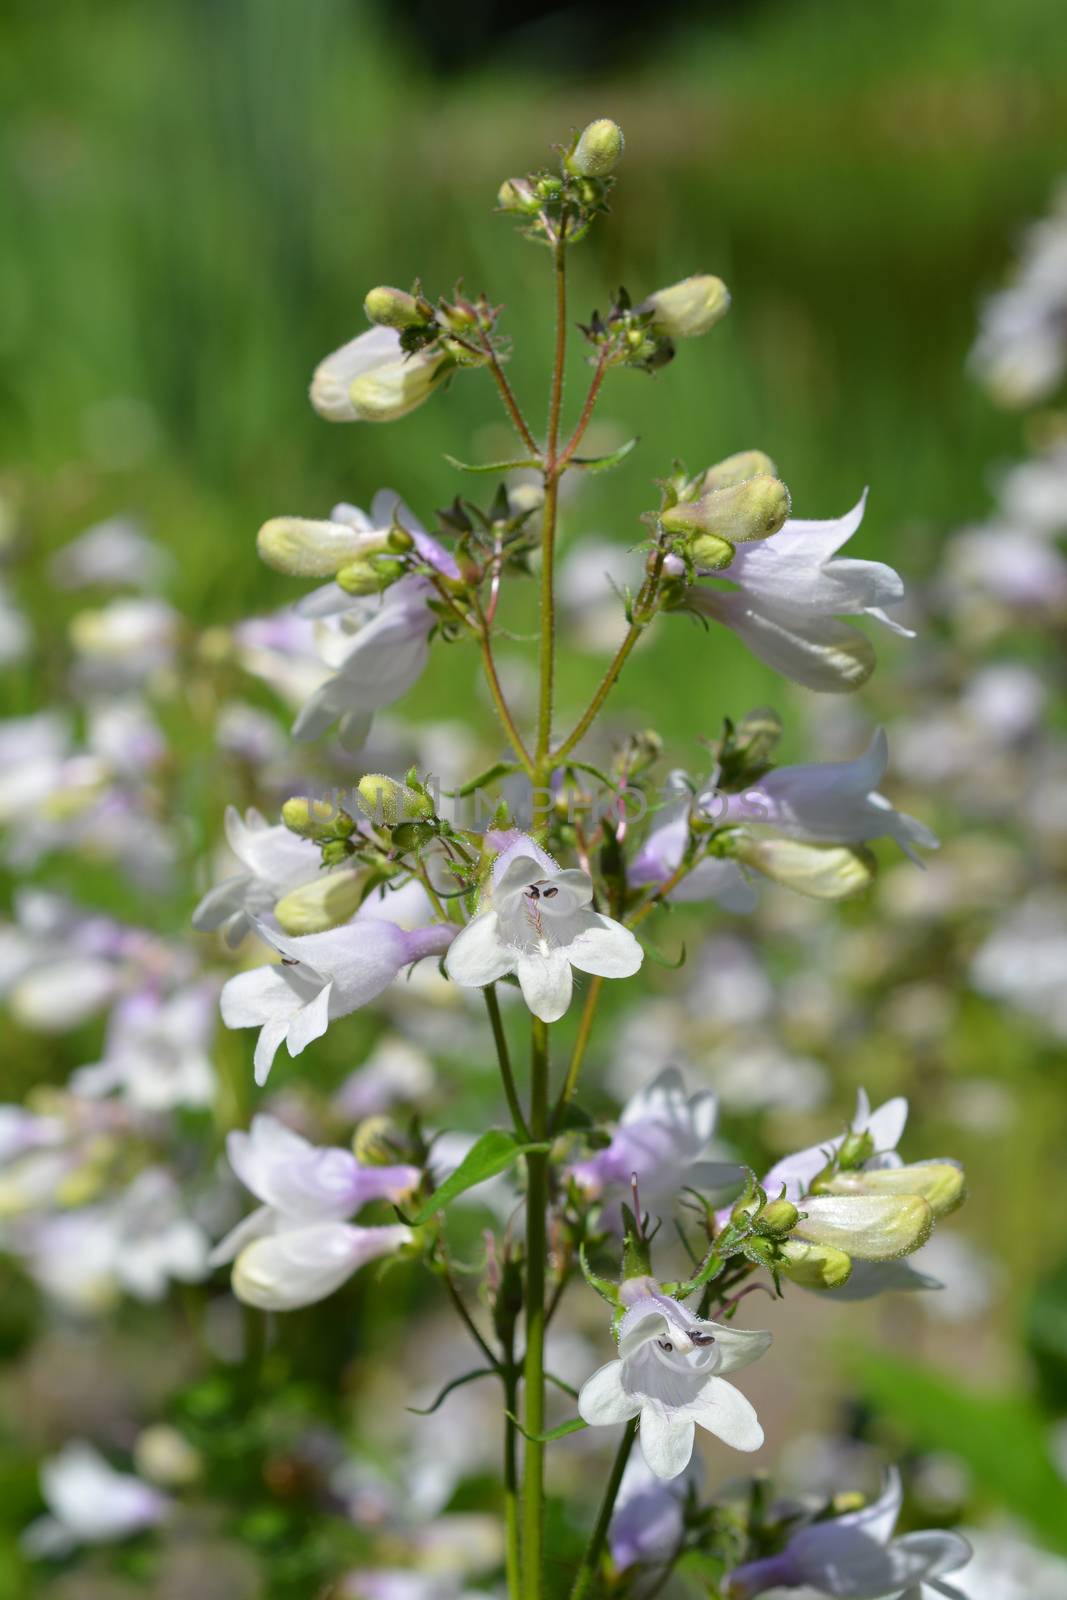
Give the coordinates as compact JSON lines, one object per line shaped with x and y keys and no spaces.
{"x":196,"y":194}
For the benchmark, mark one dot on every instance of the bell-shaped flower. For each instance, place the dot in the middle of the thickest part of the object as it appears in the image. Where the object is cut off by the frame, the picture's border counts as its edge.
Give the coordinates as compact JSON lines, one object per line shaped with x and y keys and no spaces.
{"x":670,"y":1373}
{"x":789,"y":592}
{"x":662,"y":1136}
{"x":537,"y":921}
{"x":371,"y":379}
{"x":855,"y":1557}
{"x":322,"y":976}
{"x":710,"y":879}
{"x":833,"y":802}
{"x":89,"y":1503}
{"x":275,"y":860}
{"x":649,"y":1517}
{"x":298,"y":1247}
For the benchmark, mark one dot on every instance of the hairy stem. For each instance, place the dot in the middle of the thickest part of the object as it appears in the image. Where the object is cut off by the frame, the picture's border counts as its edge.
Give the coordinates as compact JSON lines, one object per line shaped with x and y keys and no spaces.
{"x":587,"y":411}
{"x":534,"y":1364}
{"x":587,"y":1571}
{"x":507,"y":394}
{"x":503,"y":710}
{"x":585,"y":1028}
{"x":548,"y":521}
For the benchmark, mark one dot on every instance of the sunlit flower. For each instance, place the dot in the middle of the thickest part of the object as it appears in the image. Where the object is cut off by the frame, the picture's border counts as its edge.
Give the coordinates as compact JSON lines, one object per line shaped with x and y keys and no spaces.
{"x":537,"y":921}
{"x":275,"y":860}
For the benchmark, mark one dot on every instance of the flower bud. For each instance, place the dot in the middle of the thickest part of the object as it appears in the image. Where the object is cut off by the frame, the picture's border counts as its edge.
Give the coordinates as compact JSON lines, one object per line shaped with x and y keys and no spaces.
{"x":941,"y":1183}
{"x":776,"y":1218}
{"x":754,"y":509}
{"x":378,"y":1142}
{"x":738,"y":469}
{"x":371,"y":379}
{"x":711,"y":553}
{"x":517,"y":195}
{"x":368,"y":576}
{"x":598,"y":149}
{"x":689,"y":308}
{"x":315,"y":819}
{"x":871,"y":1227}
{"x":393,"y":308}
{"x":813,"y":1266}
{"x":856,"y":1148}
{"x":303,"y":548}
{"x":386,"y":801}
{"x":325,"y":902}
{"x":824,"y":872}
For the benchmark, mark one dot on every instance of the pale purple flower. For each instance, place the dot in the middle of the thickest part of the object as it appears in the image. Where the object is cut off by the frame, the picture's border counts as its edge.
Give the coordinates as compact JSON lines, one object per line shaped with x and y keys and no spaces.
{"x":791,"y":589}
{"x":537,"y":921}
{"x":89,"y":1503}
{"x":157,"y":1050}
{"x":855,"y":1557}
{"x":115,"y":553}
{"x":322,"y":976}
{"x":711,"y":879}
{"x":661,"y":1137}
{"x":649,"y":1517}
{"x":669,"y":1372}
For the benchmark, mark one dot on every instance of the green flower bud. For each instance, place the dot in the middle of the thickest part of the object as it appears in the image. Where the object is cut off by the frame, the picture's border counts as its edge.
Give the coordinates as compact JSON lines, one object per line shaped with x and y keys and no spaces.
{"x":776,"y":1218}
{"x":303,"y":548}
{"x":392,"y":391}
{"x":413,"y":835}
{"x":316,"y":819}
{"x":517,"y":195}
{"x":367,"y":576}
{"x":393,"y":308}
{"x":711,"y":553}
{"x":379,"y":1142}
{"x":870,"y":1227}
{"x":385,"y":800}
{"x":738,"y":469}
{"x":688,"y":308}
{"x":598,"y":149}
{"x":813,"y":1266}
{"x":856,"y":1148}
{"x":325,"y":902}
{"x":822,"y":871}
{"x":941,"y":1184}
{"x":754,"y":509}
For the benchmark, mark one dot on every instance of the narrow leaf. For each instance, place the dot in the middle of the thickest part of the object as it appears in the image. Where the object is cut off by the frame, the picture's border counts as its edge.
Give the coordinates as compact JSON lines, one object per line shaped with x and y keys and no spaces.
{"x":491,"y":466}
{"x":492,"y":1154}
{"x":575,"y":1425}
{"x":604,"y":463}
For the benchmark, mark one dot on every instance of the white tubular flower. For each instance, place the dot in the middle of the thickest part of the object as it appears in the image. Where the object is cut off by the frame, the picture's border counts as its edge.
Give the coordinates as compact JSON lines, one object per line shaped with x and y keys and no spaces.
{"x":689,"y":308}
{"x":89,"y":1503}
{"x":832,"y":802}
{"x":855,"y":1557}
{"x":321,"y":976}
{"x":275,"y":860}
{"x":370,"y":379}
{"x":300,"y":1266}
{"x":712,"y":879}
{"x":537,"y":922}
{"x":670,"y":1374}
{"x":789,"y":594}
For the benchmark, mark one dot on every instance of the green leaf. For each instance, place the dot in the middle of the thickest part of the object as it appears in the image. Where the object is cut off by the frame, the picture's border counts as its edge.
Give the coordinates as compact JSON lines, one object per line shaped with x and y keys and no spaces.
{"x":492,"y":1154}
{"x":457,"y":1383}
{"x":491,"y":466}
{"x":1001,"y":1437}
{"x":575,"y":1425}
{"x":604,"y":463}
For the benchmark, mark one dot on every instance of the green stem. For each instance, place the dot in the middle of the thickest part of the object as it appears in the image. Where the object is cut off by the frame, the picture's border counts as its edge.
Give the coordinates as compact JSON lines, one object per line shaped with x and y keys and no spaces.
{"x":512,"y":1544}
{"x":492,"y":1005}
{"x":547,"y":665}
{"x":587,"y":1571}
{"x":534,"y":1363}
{"x":585,"y":1028}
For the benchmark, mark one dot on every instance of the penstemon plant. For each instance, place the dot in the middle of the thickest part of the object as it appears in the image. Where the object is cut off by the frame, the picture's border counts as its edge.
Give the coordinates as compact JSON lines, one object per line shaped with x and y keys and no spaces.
{"x":550,"y":865}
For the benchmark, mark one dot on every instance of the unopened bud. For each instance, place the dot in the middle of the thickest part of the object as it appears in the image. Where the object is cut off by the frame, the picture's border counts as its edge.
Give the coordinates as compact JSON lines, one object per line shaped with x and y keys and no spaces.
{"x":856,"y":1148}
{"x":711,"y":553}
{"x":379,"y":1142}
{"x":303,"y":548}
{"x":393,"y":308}
{"x":941,"y":1183}
{"x":689,"y":308}
{"x":316,"y":819}
{"x":813,"y":1266}
{"x":871,"y":1227}
{"x":598,"y":149}
{"x":776,"y":1218}
{"x":824,"y":872}
{"x":738,"y":469}
{"x":517,"y":195}
{"x":326,"y":902}
{"x":367,"y":576}
{"x":755,"y":509}
{"x":386,"y":801}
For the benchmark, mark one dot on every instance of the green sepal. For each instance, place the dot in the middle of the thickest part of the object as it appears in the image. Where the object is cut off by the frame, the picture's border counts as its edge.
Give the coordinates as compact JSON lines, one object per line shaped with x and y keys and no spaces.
{"x":605,"y":1289}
